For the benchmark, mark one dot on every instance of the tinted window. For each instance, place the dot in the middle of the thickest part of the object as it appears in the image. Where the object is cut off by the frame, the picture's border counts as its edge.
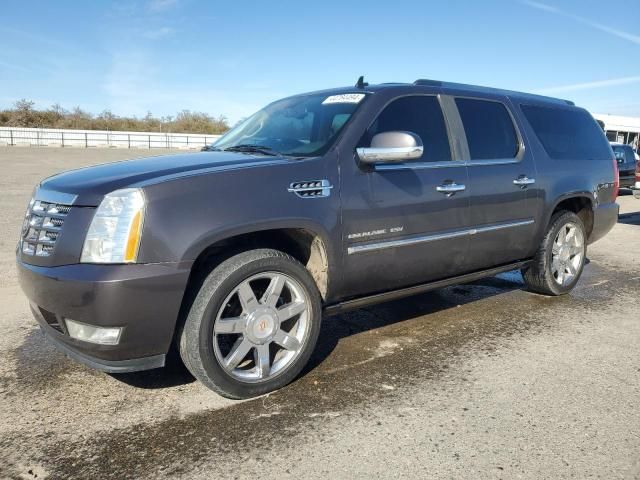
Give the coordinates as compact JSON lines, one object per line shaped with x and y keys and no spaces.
{"x":489,"y":129}
{"x":631,"y":158}
{"x":624,"y":155}
{"x":620,"y":152}
{"x":567,"y":133}
{"x":421,"y":115}
{"x":305,"y":125}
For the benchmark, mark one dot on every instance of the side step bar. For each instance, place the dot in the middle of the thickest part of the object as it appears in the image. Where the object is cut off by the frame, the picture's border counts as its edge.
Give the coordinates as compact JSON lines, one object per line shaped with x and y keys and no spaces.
{"x":426,"y":287}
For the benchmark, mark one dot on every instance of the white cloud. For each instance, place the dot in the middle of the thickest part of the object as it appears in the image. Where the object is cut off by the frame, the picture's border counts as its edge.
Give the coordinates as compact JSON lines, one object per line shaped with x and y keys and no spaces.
{"x":613,"y":82}
{"x":585,"y":21}
{"x":161,"y":5}
{"x":540,"y":6}
{"x":158,"y":33}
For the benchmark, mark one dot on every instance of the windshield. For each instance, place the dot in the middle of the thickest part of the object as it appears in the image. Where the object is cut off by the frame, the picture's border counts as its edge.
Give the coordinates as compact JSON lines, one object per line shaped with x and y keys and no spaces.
{"x":302,"y":126}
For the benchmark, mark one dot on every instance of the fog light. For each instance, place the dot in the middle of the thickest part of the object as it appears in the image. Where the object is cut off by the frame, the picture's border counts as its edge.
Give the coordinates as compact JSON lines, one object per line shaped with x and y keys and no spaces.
{"x":89,"y":333}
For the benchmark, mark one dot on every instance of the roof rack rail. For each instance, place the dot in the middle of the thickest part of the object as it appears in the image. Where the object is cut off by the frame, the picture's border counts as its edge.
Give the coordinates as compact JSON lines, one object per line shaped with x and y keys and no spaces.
{"x":569,"y":102}
{"x":427,"y":82}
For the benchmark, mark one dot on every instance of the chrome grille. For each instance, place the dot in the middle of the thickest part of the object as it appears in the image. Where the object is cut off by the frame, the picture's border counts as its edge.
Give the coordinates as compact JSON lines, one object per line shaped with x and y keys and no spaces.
{"x":41,"y":228}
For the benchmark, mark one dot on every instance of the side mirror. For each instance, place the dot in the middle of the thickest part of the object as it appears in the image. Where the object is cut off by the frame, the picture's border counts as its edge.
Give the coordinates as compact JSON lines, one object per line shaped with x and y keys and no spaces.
{"x":391,"y":147}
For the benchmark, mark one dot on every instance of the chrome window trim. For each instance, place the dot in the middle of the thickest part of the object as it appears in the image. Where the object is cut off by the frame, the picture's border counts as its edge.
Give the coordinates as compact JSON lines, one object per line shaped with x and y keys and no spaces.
{"x":453,"y":163}
{"x":418,"y":165}
{"x":497,"y":161}
{"x":403,"y":242}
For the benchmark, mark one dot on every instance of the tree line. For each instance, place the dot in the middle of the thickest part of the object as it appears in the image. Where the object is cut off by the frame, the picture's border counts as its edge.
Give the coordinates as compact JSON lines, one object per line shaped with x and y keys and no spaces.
{"x":25,"y":115}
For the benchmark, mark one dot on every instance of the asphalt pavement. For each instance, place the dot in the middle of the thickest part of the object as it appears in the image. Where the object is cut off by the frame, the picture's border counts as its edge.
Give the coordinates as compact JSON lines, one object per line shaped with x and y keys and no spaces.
{"x":484,"y":380}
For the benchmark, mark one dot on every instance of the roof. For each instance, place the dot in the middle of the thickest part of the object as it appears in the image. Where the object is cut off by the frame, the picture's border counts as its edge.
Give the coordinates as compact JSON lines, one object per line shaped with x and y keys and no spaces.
{"x":495,"y":91}
{"x":458,"y":87}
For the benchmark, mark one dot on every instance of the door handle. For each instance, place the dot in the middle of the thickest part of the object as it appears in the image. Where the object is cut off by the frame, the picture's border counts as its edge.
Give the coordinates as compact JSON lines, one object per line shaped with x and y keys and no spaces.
{"x":524,"y":181}
{"x":450,"y":189}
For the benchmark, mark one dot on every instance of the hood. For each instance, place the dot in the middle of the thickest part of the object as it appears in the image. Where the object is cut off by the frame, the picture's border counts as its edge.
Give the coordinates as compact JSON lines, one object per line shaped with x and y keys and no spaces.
{"x":89,"y":185}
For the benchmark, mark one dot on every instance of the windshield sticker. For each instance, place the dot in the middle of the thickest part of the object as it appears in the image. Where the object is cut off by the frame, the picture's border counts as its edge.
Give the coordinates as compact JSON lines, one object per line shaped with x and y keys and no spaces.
{"x":344,"y":98}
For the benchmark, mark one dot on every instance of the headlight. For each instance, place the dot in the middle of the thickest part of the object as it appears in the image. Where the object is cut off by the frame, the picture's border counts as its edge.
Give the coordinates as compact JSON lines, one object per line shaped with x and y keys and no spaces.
{"x":116,"y":228}
{"x":25,"y":222}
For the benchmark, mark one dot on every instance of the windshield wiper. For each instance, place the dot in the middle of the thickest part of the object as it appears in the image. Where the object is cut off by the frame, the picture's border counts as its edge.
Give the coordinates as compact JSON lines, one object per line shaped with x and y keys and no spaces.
{"x":249,"y":148}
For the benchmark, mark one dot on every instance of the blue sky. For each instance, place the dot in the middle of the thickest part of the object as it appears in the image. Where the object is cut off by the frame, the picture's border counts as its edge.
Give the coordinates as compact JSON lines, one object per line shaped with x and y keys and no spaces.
{"x":231,"y":58}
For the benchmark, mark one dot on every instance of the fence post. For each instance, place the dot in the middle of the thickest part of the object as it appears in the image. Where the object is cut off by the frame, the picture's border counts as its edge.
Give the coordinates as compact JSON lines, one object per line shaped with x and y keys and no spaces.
{"x":149,"y":141}
{"x":11,"y":135}
{"x":37,"y":138}
{"x":86,"y":140}
{"x":128,"y":140}
{"x":167,"y":137}
{"x":62,"y":135}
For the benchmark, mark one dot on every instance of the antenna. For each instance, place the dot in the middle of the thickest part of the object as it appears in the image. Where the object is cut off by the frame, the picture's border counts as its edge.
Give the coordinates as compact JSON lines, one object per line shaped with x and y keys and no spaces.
{"x":361,"y":83}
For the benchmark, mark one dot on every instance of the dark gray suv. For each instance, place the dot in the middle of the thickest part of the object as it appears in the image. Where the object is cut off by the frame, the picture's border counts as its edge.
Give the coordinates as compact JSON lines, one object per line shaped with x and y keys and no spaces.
{"x":626,"y":159}
{"x":317,"y":204}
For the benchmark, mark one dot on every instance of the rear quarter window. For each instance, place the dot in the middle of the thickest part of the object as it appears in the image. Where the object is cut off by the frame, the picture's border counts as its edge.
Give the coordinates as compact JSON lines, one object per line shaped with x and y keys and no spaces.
{"x":568,"y":134}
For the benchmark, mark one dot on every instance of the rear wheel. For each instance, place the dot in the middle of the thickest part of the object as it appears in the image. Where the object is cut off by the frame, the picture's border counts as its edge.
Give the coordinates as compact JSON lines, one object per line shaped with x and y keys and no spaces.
{"x":558,"y":264}
{"x":253,"y":324}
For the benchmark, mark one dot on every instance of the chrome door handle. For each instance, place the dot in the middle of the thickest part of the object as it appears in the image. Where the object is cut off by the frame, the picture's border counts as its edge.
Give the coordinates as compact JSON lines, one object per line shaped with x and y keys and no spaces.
{"x":450,"y":188}
{"x":524,"y":181}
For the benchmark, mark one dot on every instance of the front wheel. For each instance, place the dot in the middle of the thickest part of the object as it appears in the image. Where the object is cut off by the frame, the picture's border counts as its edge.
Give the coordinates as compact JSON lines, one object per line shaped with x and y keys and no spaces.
{"x":253,"y":325}
{"x":560,"y":259}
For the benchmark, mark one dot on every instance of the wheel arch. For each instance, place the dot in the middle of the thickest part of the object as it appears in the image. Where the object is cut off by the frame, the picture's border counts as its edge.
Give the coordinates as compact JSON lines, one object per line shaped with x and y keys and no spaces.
{"x":306,"y":242}
{"x":580,"y":203}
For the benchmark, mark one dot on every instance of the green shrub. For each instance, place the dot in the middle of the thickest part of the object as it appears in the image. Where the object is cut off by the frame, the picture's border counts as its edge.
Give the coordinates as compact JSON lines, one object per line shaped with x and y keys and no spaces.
{"x":24,"y":115}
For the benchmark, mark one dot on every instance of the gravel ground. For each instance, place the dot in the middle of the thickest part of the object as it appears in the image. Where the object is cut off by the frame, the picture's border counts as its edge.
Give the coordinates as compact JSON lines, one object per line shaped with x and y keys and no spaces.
{"x":476,"y":381}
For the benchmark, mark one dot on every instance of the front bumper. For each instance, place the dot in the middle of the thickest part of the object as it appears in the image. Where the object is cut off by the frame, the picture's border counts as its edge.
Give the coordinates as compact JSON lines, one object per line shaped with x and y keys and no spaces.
{"x":143,"y":299}
{"x":605,"y":217}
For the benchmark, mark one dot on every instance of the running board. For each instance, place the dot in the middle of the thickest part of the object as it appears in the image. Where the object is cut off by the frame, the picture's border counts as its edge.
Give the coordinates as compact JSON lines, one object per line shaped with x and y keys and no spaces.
{"x":426,"y":287}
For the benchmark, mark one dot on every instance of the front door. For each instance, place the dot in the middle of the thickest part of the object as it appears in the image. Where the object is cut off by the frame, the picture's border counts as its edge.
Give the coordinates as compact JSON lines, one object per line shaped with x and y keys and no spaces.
{"x":398,"y":228}
{"x":501,"y":184}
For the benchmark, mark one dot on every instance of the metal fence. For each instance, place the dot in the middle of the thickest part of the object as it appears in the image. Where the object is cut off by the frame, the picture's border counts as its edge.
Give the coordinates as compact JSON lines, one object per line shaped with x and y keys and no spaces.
{"x":44,"y":137}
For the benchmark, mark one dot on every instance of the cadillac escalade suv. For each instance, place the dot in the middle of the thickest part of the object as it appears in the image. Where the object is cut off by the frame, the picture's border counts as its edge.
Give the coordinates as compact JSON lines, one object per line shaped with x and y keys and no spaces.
{"x":317,"y":204}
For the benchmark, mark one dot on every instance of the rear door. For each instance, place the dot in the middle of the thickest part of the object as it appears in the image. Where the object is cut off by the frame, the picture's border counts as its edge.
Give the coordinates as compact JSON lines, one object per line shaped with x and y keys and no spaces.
{"x":501,"y":185}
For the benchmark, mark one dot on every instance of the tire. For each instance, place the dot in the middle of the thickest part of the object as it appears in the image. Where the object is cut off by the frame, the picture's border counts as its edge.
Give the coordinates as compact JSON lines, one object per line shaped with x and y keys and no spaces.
{"x":262,"y":302}
{"x":547,"y":273}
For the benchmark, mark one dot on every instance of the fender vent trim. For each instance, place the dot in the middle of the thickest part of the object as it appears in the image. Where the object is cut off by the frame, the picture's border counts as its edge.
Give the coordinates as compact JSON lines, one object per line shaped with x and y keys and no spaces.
{"x":311,"y":189}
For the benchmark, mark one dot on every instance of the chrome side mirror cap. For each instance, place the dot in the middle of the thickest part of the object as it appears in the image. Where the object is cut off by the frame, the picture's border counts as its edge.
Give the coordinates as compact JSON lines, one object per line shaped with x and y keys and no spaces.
{"x":391,"y":147}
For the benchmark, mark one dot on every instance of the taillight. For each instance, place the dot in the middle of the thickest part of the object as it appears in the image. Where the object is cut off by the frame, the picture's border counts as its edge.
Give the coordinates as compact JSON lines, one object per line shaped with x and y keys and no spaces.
{"x":638,"y":171}
{"x":616,"y":179}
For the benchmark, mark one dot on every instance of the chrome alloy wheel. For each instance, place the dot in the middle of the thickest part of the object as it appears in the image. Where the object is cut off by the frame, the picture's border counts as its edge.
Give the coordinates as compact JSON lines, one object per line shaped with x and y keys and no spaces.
{"x":261,"y":327}
{"x":567,"y":254}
